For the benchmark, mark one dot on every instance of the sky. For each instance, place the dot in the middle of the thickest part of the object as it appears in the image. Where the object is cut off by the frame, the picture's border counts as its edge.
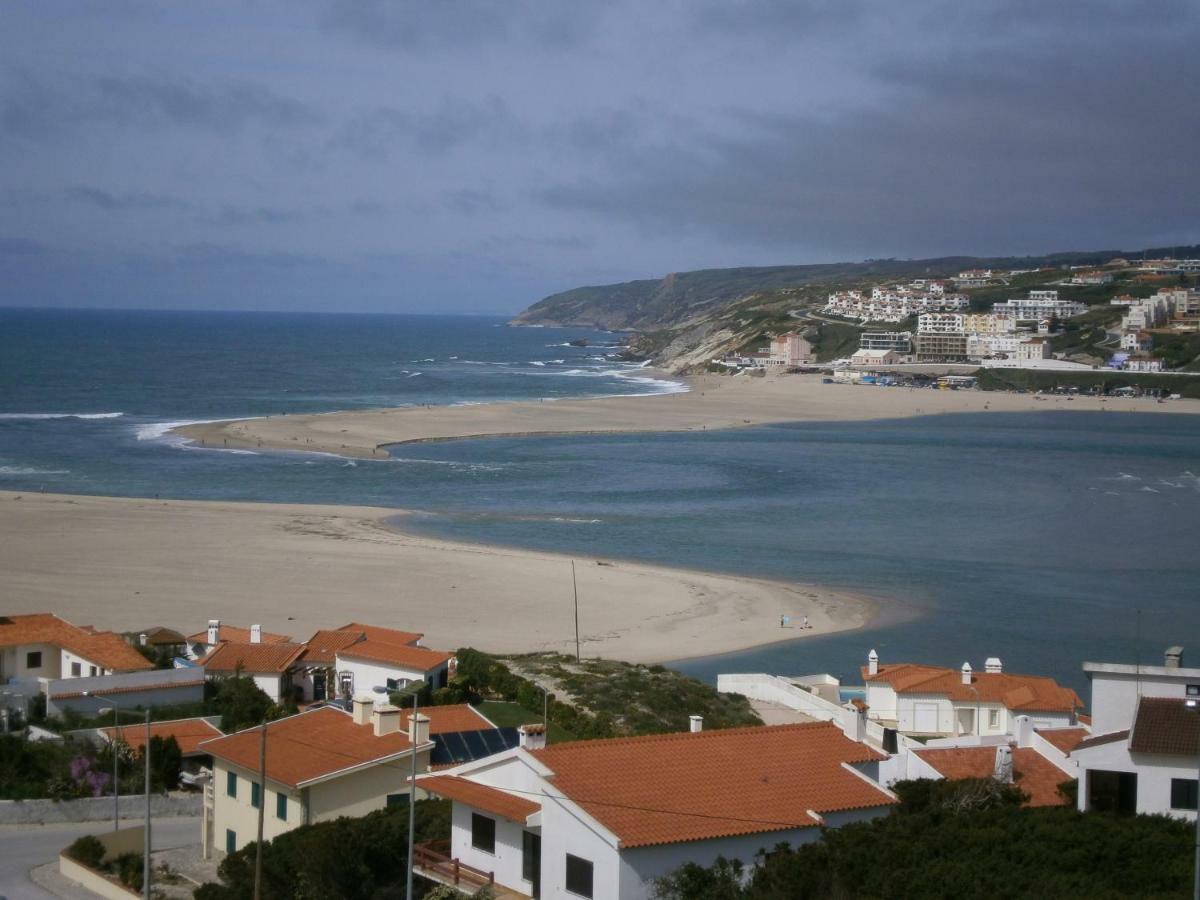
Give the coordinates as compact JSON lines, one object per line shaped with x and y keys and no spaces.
{"x":473,"y":156}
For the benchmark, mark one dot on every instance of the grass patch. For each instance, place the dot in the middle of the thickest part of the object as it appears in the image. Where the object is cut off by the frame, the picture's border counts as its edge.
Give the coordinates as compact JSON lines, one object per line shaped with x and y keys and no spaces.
{"x":510,"y":715}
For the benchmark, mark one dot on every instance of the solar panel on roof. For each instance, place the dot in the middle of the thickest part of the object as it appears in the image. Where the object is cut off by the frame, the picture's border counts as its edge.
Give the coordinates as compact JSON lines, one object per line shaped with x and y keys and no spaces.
{"x":466,"y":746}
{"x":475,"y":745}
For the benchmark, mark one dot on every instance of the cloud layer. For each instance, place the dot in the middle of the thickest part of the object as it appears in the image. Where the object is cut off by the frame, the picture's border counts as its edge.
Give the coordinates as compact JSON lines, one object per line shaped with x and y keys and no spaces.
{"x":472,"y":156}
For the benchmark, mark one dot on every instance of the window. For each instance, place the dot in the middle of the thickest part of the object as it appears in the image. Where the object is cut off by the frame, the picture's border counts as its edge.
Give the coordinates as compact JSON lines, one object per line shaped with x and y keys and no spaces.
{"x":92,"y":671}
{"x":76,"y":669}
{"x":230,"y":840}
{"x":1183,"y":793}
{"x":33,"y":659}
{"x":483,"y":833}
{"x":397,"y":799}
{"x":993,"y":718}
{"x":230,"y":784}
{"x":579,"y":876}
{"x":255,"y":794}
{"x":281,"y":806}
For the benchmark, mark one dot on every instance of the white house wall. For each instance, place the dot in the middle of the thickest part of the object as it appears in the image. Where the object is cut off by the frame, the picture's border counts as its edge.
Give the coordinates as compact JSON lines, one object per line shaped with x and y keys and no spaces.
{"x":14,"y":662}
{"x":1115,"y":695}
{"x":363,"y":791}
{"x":505,"y":863}
{"x":368,"y":676}
{"x":562,"y":833}
{"x":1154,"y":774}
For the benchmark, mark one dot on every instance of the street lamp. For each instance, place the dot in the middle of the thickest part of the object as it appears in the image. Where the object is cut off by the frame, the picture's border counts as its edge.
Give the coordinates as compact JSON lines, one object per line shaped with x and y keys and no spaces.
{"x":1193,"y":703}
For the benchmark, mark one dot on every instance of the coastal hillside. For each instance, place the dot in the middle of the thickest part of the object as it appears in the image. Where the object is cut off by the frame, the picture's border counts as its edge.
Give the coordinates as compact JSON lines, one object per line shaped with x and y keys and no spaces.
{"x":685,"y":318}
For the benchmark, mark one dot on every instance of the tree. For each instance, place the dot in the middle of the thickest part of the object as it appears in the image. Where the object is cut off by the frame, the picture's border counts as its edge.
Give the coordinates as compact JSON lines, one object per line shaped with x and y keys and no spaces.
{"x":166,"y":762}
{"x":242,"y":704}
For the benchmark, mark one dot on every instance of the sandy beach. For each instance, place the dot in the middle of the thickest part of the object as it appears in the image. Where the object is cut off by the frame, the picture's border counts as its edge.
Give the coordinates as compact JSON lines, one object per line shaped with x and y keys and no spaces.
{"x":128,"y":564}
{"x":714,"y":402}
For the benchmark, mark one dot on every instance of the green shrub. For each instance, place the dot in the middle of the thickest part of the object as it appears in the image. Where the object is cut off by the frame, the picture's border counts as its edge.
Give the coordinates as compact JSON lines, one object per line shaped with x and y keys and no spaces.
{"x":87,"y":850}
{"x":129,"y":868}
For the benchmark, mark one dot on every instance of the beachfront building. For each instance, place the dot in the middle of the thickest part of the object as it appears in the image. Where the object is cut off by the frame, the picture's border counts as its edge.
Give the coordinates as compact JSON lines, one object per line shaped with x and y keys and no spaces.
{"x":204,"y":642}
{"x":791,"y":350}
{"x":900,"y":341}
{"x":320,"y":764}
{"x":1145,"y":738}
{"x":268,"y":665}
{"x":1034,"y":348}
{"x":1137,"y":342}
{"x":1143,"y":364}
{"x":940,"y":323}
{"x":359,"y":658}
{"x":931,"y":700}
{"x":605,"y":818}
{"x":985,"y":346}
{"x":941,"y":347}
{"x":1037,"y":306}
{"x":988,"y":324}
{"x":43,"y":646}
{"x":870,"y":358}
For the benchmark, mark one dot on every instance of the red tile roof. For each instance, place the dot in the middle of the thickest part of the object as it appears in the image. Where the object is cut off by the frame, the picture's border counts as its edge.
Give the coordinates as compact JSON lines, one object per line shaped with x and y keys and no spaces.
{"x":188,"y":733}
{"x":1016,"y":692}
{"x":236,"y":633}
{"x":387,"y":635}
{"x":234,"y":657}
{"x":103,"y":648}
{"x":1032,"y":772}
{"x":446,"y":719}
{"x":322,"y":648}
{"x":1064,"y":739}
{"x":374,"y":643}
{"x":1165,"y":725}
{"x":1111,"y":738}
{"x":513,"y":807}
{"x":419,"y":659}
{"x":663,"y":789}
{"x":310,"y":746}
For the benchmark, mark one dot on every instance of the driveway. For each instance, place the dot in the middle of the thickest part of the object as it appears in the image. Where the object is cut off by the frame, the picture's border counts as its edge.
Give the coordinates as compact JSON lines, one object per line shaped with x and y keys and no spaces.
{"x":24,"y":847}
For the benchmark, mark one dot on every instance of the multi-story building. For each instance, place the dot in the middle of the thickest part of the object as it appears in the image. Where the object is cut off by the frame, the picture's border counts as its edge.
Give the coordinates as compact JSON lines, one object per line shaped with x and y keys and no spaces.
{"x":1037,"y":306}
{"x":988,"y":323}
{"x":1096,"y":276}
{"x":1034,"y":349}
{"x":991,"y":346}
{"x":791,"y":350}
{"x":940,"y":323}
{"x":941,"y":347}
{"x":900,"y":341}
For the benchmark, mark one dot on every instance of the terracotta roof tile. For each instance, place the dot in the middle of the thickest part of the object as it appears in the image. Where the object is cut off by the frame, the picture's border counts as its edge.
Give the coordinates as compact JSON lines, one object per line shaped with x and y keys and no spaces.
{"x":513,"y":807}
{"x":1032,"y":772}
{"x":665,"y":789}
{"x":387,"y":635}
{"x":188,"y":733}
{"x":232,"y":657}
{"x":1165,"y":725}
{"x":322,"y":647}
{"x":236,"y":633}
{"x":104,"y":648}
{"x":1111,"y":738}
{"x":1016,"y":692}
{"x":417,"y":658}
{"x":1064,"y":739}
{"x":447,"y":719}
{"x":309,"y":746}
{"x":127,"y":689}
{"x":372,"y":642}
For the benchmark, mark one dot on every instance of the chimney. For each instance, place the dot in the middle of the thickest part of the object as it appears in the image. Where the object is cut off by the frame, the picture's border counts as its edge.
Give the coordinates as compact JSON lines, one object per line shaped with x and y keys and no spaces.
{"x":1024,"y":731}
{"x":697,"y":723}
{"x":386,"y":719}
{"x":214,"y":632}
{"x":1174,"y":657}
{"x":1004,"y":764}
{"x":361,"y":708}
{"x":993,"y":665}
{"x":532,"y":736}
{"x":142,"y":639}
{"x":256,"y":634}
{"x":872,"y":663}
{"x":418,"y":729}
{"x":857,"y":722}
{"x":966,"y":673}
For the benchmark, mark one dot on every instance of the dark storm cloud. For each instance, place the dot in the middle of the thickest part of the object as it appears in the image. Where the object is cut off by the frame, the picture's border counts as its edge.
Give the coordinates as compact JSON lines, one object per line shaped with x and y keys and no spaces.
{"x":35,"y":108}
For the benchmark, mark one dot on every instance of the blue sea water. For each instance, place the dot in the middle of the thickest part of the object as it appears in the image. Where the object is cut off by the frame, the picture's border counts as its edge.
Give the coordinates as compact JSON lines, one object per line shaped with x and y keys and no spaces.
{"x":1042,"y":538}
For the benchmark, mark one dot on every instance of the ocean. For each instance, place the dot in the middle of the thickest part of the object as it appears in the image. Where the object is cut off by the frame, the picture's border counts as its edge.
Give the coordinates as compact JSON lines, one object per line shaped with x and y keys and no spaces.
{"x":1043,"y":538}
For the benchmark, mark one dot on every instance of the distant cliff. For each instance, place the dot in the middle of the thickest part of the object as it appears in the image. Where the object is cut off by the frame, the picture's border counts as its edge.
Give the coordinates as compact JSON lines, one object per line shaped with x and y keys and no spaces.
{"x":684,"y":319}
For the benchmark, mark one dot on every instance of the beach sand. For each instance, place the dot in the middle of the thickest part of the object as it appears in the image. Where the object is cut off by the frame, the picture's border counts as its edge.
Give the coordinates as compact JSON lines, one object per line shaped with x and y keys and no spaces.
{"x":714,"y":402}
{"x":129,"y":564}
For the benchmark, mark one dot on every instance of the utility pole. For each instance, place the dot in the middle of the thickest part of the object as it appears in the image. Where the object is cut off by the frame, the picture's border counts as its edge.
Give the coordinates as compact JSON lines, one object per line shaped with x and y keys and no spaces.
{"x":575,"y":588}
{"x":262,"y":805}
{"x":412,"y":797}
{"x":146,"y":849}
{"x":116,"y":752}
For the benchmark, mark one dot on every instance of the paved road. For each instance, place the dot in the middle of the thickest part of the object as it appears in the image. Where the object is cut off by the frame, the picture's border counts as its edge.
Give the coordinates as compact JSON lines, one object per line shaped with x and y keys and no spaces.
{"x":22,"y":847}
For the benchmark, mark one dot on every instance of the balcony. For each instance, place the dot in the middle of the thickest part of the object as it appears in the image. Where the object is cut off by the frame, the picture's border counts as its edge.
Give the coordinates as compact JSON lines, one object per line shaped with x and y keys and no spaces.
{"x":432,"y":860}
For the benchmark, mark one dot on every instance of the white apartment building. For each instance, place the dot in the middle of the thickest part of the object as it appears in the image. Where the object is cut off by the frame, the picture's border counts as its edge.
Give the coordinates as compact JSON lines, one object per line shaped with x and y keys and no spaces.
{"x":1142,"y":756}
{"x":1034,"y":348}
{"x":1092,"y":277}
{"x":892,"y":303}
{"x":984,"y":346}
{"x":940,"y":323}
{"x":603,"y":819}
{"x":1137,"y":341}
{"x":931,"y":700}
{"x":1037,"y":306}
{"x":1143,"y":364}
{"x":900,"y":341}
{"x":988,"y":324}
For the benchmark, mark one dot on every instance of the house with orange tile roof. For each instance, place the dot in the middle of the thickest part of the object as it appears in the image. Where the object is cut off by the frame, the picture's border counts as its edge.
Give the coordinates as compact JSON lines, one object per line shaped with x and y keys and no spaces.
{"x":204,"y":642}
{"x":1024,"y":767}
{"x":340,"y":662}
{"x":605,"y":818}
{"x":1141,"y":755}
{"x":42,"y":645}
{"x":931,"y":700}
{"x":268,"y":665}
{"x":320,"y":764}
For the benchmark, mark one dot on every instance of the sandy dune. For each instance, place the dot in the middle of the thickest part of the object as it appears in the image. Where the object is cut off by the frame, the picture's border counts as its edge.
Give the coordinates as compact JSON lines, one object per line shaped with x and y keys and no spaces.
{"x":714,"y":402}
{"x":129,"y":564}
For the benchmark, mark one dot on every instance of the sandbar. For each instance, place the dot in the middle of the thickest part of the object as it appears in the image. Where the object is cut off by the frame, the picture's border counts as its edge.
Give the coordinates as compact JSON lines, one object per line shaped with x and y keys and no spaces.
{"x":713,"y":402}
{"x":129,"y":564}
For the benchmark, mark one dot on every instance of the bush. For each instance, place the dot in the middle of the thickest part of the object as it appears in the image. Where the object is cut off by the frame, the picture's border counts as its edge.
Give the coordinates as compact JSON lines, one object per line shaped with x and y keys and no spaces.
{"x":129,"y":868}
{"x":88,"y":851}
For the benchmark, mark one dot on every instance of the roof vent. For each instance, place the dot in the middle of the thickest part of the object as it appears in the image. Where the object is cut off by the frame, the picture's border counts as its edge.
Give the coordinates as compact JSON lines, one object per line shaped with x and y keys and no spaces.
{"x":386,"y":719}
{"x":1173,"y":657}
{"x":993,"y":665}
{"x":966,"y":673}
{"x":697,"y":723}
{"x":872,"y":663}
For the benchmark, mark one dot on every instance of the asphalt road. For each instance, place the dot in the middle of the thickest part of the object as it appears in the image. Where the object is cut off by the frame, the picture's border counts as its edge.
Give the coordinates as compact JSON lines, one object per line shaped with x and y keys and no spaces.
{"x":24,"y":847}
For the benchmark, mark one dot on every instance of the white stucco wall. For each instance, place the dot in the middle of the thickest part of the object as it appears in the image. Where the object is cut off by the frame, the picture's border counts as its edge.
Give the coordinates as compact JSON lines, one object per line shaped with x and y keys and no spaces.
{"x":369,"y":675}
{"x":15,"y":658}
{"x":506,"y":862}
{"x":1115,"y":695}
{"x":1154,"y":775}
{"x":363,"y":791}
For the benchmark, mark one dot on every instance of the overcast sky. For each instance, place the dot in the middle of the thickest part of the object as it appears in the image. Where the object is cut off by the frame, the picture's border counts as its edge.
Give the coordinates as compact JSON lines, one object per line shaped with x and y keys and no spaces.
{"x":456,"y":156}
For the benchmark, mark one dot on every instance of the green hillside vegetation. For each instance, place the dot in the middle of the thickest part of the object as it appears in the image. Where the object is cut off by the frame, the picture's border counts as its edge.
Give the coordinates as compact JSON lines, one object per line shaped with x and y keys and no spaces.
{"x":941,"y":843}
{"x":1102,"y":381}
{"x":1178,"y":351}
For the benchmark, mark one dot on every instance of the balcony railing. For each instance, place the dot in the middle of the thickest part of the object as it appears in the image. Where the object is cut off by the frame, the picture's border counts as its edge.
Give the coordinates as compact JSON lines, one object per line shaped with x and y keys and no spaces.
{"x":433,"y":861}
